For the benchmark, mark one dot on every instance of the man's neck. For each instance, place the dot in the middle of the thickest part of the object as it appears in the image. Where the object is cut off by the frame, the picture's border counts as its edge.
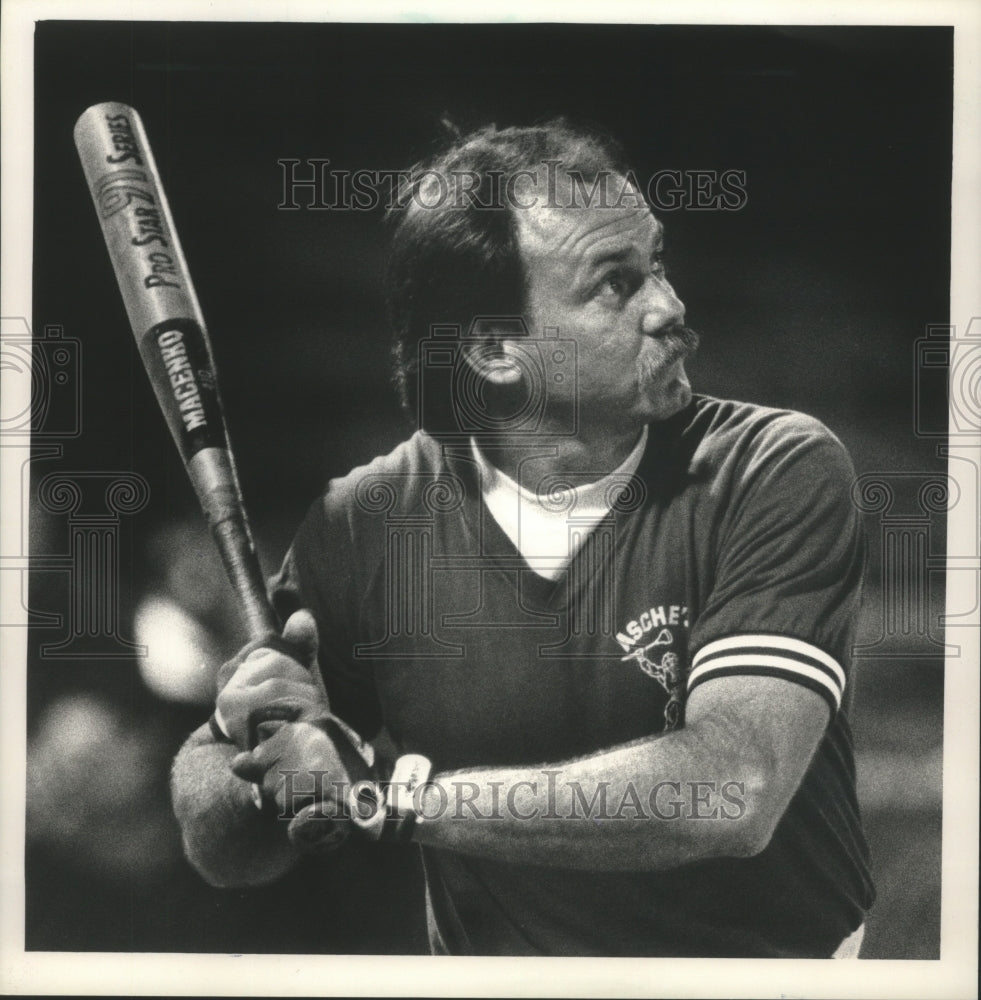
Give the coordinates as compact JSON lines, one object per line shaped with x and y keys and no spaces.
{"x":588,"y":457}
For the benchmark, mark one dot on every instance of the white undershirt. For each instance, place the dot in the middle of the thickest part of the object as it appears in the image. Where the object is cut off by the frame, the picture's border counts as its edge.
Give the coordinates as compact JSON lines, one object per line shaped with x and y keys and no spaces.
{"x":540,"y":526}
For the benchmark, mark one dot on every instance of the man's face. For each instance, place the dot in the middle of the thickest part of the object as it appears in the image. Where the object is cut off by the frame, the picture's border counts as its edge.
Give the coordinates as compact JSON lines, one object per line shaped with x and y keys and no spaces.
{"x":596,"y":273}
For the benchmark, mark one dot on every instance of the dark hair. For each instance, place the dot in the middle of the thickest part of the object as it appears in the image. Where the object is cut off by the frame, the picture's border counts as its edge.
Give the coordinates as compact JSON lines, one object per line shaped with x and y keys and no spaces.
{"x":454,"y":253}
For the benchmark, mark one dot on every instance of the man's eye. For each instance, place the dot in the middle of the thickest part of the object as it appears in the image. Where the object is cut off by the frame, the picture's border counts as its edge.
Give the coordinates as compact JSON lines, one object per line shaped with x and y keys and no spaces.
{"x":615,"y":285}
{"x":621,"y":283}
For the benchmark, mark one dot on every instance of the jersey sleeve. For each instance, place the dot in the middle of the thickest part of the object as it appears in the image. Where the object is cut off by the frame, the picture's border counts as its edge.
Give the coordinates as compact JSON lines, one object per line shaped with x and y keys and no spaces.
{"x":318,"y":573}
{"x":787,"y":584}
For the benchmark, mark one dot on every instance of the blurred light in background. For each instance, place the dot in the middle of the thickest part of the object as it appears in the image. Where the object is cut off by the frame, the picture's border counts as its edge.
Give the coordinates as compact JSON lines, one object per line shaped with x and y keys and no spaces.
{"x":94,"y":784}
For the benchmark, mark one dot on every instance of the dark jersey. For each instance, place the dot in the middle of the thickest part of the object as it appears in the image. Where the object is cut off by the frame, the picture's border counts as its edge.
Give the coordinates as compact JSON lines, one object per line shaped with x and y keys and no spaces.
{"x":733,"y":549}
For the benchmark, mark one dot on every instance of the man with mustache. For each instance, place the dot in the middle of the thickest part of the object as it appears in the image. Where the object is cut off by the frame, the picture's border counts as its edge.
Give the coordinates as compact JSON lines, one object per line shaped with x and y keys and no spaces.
{"x":604,"y":622}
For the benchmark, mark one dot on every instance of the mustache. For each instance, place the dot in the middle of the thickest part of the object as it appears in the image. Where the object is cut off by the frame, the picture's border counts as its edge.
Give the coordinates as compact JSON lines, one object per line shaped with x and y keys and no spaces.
{"x":680,"y":341}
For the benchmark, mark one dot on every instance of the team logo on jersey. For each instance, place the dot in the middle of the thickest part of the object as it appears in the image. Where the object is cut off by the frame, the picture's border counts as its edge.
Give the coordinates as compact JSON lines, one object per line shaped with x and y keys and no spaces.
{"x":660,"y":658}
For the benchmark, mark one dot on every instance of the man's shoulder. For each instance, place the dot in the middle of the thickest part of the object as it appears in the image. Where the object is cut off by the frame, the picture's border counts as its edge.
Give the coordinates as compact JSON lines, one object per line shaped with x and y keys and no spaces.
{"x":391,"y":482}
{"x":351,"y":512}
{"x":727,"y":430}
{"x":724,"y":421}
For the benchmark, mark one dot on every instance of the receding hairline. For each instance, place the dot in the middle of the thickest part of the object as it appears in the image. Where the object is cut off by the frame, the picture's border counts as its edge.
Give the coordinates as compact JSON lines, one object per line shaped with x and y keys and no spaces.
{"x":536,"y":220}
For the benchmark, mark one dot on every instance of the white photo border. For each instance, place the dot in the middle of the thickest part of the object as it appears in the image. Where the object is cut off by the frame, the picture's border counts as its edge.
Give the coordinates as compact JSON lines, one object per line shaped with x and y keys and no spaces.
{"x":954,"y":975}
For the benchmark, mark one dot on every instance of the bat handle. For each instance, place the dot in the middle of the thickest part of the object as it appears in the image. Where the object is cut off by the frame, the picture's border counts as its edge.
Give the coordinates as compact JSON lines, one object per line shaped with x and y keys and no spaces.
{"x":242,"y":566}
{"x":214,"y":478}
{"x":261,"y":622}
{"x":212,"y":474}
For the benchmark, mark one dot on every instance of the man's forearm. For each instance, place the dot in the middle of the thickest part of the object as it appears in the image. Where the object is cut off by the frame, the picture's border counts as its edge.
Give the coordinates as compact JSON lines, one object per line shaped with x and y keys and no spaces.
{"x":225,"y":837}
{"x":653,"y":804}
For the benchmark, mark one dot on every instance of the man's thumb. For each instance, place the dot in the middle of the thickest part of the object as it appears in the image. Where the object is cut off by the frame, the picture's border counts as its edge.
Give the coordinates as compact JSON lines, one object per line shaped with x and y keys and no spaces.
{"x":300,"y":631}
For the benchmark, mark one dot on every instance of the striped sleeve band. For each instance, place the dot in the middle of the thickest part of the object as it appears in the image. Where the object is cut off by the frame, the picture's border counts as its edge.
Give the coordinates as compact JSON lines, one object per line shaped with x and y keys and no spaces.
{"x":771,"y":656}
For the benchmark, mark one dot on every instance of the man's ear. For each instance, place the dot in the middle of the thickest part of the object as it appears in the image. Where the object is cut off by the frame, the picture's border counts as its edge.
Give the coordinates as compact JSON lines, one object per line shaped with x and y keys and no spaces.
{"x":495,"y":359}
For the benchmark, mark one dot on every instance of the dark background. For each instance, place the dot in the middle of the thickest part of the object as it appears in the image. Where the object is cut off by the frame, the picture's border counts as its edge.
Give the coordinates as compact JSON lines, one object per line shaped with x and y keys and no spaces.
{"x":811,"y":296}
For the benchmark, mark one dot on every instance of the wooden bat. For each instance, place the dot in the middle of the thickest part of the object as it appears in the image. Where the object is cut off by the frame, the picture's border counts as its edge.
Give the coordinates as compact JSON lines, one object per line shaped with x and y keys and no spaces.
{"x":171,"y":335}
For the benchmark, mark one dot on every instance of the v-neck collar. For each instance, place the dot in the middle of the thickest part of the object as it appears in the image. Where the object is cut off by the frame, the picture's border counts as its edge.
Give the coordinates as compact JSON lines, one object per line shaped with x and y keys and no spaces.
{"x":658,"y":465}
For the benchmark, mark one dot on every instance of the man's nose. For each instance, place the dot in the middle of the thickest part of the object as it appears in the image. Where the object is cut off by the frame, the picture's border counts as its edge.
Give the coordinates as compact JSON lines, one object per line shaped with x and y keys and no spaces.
{"x":662,"y":309}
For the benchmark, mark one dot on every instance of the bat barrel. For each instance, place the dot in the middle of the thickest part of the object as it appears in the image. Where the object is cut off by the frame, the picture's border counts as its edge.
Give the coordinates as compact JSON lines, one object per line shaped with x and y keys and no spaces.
{"x":143,"y":244}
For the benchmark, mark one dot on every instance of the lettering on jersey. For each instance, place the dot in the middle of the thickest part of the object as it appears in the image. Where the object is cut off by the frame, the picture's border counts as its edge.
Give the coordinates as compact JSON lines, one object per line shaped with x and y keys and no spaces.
{"x":661,"y":657}
{"x":652,"y":618}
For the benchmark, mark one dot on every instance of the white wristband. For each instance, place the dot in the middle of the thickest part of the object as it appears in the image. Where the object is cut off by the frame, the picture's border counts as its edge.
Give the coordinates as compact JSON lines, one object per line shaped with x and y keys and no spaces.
{"x":411,"y":772}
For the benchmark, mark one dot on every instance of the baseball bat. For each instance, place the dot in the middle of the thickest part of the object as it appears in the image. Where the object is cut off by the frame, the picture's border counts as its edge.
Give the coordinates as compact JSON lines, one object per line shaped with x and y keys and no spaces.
{"x":172,"y":338}
{"x":171,"y":334}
